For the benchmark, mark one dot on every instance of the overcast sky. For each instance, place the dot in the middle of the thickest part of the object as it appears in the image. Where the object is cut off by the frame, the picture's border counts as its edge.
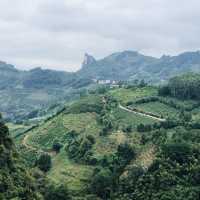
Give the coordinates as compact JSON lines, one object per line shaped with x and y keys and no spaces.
{"x":56,"y":33}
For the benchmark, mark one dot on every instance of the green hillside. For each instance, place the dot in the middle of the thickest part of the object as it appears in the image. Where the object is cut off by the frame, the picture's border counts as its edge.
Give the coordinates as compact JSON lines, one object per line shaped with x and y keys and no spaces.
{"x":109,"y":145}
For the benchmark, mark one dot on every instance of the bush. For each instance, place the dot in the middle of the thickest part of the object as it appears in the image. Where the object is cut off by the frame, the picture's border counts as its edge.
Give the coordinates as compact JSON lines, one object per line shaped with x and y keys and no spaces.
{"x":164,"y":91}
{"x":144,"y":128}
{"x":79,"y":149}
{"x":186,"y":116}
{"x":101,"y":183}
{"x":127,"y":129}
{"x":125,"y":152}
{"x":57,"y":145}
{"x":179,"y":152}
{"x":169,"y":124}
{"x":44,"y":162}
{"x":57,"y":192}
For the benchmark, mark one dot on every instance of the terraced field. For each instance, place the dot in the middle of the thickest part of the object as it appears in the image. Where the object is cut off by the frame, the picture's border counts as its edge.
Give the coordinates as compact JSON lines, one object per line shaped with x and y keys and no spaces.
{"x":125,"y":95}
{"x":16,"y":128}
{"x":57,"y":128}
{"x":127,"y":118}
{"x":159,"y":109}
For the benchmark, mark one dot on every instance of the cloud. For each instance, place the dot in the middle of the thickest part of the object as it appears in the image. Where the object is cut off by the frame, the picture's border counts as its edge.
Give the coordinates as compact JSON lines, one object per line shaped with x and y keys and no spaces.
{"x":56,"y":34}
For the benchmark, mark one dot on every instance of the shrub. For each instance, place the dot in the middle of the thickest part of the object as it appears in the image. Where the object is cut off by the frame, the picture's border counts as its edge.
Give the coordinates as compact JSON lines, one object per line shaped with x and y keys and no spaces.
{"x":44,"y":162}
{"x":101,"y":183}
{"x":144,"y":128}
{"x":125,"y":152}
{"x":57,"y":192}
{"x":164,"y":91}
{"x":127,"y":129}
{"x":79,"y":149}
{"x":57,"y":145}
{"x":179,"y":152}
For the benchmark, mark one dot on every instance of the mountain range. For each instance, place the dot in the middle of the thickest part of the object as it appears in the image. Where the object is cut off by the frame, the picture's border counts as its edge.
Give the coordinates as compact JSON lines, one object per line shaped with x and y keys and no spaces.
{"x":126,"y":65}
{"x":130,"y":65}
{"x":28,"y":90}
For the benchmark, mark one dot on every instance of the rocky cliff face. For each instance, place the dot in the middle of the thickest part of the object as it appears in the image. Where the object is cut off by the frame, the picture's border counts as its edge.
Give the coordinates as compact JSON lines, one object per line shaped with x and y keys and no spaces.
{"x":88,"y":60}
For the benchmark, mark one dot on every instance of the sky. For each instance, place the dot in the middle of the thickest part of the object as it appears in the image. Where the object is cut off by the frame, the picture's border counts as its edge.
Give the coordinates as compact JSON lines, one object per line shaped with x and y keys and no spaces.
{"x":56,"y":34}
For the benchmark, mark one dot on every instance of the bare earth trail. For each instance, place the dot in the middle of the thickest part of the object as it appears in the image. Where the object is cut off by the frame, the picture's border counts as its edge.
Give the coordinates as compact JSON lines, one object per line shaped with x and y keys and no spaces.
{"x":24,"y":142}
{"x":141,"y":114}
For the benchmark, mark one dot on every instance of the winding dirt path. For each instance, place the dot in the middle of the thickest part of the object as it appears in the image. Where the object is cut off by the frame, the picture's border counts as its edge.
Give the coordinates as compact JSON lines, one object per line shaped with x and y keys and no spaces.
{"x":141,"y":114}
{"x":24,"y":142}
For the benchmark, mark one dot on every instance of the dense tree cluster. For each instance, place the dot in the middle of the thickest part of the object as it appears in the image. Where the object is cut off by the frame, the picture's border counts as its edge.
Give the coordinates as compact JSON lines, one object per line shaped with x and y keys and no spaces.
{"x":80,"y":148}
{"x":57,"y":192}
{"x":57,"y":145}
{"x":186,"y":86}
{"x":174,"y":174}
{"x":44,"y":162}
{"x":106,"y":117}
{"x":15,"y":181}
{"x":105,"y":180}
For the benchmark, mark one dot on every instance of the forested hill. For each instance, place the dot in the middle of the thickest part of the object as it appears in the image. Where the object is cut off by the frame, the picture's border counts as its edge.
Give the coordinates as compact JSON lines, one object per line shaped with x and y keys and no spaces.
{"x":36,"y":78}
{"x":133,"y":65}
{"x":22,"y":92}
{"x":15,"y":181}
{"x":125,"y":65}
{"x":128,"y":142}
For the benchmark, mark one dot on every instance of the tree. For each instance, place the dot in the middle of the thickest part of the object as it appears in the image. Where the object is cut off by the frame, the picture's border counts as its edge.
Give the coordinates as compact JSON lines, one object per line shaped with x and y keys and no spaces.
{"x":57,"y":192}
{"x":177,"y":151}
{"x":186,"y":116}
{"x":186,"y":86}
{"x":15,"y":180}
{"x":164,"y":91}
{"x":44,"y":162}
{"x":140,"y":128}
{"x":127,"y":129}
{"x":142,"y":83}
{"x":57,"y":145}
{"x":144,"y":128}
{"x":125,"y":153}
{"x":101,"y":183}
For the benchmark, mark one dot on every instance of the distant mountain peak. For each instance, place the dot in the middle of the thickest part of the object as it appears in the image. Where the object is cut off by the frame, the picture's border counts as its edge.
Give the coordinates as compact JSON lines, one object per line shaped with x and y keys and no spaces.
{"x":7,"y":67}
{"x":128,"y":52}
{"x":88,"y":59}
{"x":36,"y":69}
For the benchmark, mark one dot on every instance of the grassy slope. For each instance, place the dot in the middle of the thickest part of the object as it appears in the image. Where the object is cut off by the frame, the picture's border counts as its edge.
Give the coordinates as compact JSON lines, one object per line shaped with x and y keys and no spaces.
{"x":125,"y":95}
{"x":126,"y":118}
{"x":76,"y":175}
{"x":57,"y":128}
{"x":65,"y":170}
{"x":159,"y":109}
